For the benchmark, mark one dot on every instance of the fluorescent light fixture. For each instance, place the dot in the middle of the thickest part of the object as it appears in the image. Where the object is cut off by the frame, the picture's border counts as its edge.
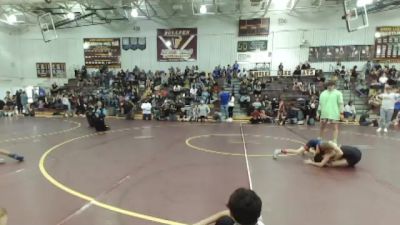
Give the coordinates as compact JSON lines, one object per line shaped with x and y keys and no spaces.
{"x":203,"y":9}
{"x":11,"y":19}
{"x":282,"y":4}
{"x":71,"y":16}
{"x":134,"y":12}
{"x":86,"y":45}
{"x":361,"y":3}
{"x":378,"y":35}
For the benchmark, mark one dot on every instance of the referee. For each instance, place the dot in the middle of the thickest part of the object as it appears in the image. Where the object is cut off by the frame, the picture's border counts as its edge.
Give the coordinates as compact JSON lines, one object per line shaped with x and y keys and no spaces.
{"x":330,"y":110}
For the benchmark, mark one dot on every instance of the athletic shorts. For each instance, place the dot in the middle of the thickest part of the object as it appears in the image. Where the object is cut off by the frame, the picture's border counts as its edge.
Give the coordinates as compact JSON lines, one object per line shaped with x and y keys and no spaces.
{"x":329,"y":121}
{"x":351,"y":154}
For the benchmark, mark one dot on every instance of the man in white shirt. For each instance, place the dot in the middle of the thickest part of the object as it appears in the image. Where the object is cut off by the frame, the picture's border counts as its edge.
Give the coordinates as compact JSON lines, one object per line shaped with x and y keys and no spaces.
{"x":146,"y":110}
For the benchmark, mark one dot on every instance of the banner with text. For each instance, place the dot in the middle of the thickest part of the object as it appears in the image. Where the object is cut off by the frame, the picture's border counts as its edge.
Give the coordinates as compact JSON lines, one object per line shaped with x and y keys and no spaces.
{"x":387,"y":44}
{"x":254,"y":27}
{"x":176,"y":45}
{"x":252,"y":46}
{"x":340,"y":53}
{"x":102,"y":51}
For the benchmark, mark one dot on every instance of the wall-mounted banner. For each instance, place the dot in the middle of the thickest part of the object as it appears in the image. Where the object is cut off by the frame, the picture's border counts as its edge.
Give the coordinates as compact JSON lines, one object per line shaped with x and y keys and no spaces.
{"x":252,"y":46}
{"x":58,"y":70}
{"x":43,"y":70}
{"x":133,"y":43}
{"x":178,"y":44}
{"x":254,"y":27}
{"x":340,"y":53}
{"x":387,"y":44}
{"x":102,"y":51}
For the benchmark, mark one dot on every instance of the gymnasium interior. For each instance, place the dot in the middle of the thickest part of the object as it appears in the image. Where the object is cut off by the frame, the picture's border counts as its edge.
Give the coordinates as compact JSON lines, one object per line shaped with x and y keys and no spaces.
{"x":178,"y":112}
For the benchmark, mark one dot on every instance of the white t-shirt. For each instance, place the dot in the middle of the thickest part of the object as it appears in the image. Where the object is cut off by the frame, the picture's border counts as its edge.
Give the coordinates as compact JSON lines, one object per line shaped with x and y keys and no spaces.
{"x":350,"y":109}
{"x":389,"y":100}
{"x":146,"y":108}
{"x":232,"y":102}
{"x":65,"y":101}
{"x":383,"y":80}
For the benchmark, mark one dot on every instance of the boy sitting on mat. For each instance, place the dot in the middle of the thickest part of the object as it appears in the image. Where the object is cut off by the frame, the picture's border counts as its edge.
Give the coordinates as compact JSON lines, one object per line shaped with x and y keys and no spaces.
{"x":244,"y":209}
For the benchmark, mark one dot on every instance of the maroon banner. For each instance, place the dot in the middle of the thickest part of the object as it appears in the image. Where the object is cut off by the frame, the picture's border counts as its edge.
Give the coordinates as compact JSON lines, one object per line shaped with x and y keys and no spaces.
{"x":177,"y":45}
{"x":43,"y":70}
{"x":102,"y":51}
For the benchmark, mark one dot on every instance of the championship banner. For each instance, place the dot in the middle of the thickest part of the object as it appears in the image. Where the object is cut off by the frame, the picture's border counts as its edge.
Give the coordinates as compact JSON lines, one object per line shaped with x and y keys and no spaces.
{"x":254,"y":27}
{"x":43,"y":70}
{"x":387,"y":43}
{"x":340,"y":53}
{"x":176,"y":45}
{"x":133,"y":43}
{"x":58,"y":70}
{"x":252,"y":46}
{"x":102,"y":51}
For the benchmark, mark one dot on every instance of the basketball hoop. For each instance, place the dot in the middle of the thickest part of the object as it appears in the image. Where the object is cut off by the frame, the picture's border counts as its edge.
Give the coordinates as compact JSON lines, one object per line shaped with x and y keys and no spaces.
{"x":47,"y":27}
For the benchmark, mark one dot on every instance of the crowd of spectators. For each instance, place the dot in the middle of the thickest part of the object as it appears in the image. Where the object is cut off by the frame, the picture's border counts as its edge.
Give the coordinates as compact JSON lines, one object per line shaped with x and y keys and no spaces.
{"x":193,"y":95}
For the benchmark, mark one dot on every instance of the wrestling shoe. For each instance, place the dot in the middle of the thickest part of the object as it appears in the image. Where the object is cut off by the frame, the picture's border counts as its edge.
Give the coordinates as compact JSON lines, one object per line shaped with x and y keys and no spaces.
{"x":276,"y":153}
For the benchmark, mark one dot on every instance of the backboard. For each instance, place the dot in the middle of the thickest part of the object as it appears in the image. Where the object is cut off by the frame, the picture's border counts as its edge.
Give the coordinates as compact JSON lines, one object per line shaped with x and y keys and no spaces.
{"x":356,"y":15}
{"x":46,"y":25}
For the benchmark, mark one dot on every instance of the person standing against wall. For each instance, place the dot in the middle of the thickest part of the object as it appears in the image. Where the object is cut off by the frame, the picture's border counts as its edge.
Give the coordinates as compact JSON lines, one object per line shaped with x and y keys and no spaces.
{"x":389,"y":99}
{"x":231,"y":106}
{"x":224,"y":98}
{"x":330,"y":110}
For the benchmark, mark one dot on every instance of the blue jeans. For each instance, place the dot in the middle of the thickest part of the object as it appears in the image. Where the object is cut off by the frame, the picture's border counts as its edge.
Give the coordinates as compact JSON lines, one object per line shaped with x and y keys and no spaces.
{"x":385,"y":118}
{"x":224,"y":110}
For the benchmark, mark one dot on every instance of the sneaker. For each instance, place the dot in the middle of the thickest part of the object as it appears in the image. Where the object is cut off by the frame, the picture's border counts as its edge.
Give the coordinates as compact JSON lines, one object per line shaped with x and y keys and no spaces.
{"x":276,"y":153}
{"x":379,"y":130}
{"x":2,"y":161}
{"x":385,"y":130}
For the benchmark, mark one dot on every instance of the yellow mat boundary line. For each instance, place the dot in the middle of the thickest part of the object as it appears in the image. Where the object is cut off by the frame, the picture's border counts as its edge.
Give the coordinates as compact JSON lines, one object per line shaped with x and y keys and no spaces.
{"x":88,"y":198}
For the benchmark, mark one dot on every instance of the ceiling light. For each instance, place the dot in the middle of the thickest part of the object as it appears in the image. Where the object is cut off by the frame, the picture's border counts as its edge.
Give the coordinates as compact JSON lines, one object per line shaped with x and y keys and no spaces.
{"x":361,"y":3}
{"x":11,"y":19}
{"x":378,"y":35}
{"x":203,"y":9}
{"x":71,"y":16}
{"x":168,"y":43}
{"x":134,"y":12}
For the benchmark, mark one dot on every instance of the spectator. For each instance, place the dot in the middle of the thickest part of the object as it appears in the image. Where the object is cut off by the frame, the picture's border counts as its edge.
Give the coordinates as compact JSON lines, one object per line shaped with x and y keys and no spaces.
{"x":389,"y":98}
{"x":146,"y":110}
{"x":99,"y":119}
{"x":24,"y":102}
{"x":67,"y":105}
{"x":224,"y":98}
{"x":280,"y":69}
{"x":257,"y":104}
{"x":231,"y":105}
{"x":362,"y":89}
{"x":350,"y":111}
{"x":297,"y":71}
{"x":202,"y":111}
{"x":244,"y":208}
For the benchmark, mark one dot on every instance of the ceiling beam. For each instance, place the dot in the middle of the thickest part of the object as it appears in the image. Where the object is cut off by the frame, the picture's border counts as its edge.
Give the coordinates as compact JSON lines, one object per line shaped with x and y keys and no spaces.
{"x":151,"y":7}
{"x":68,"y":21}
{"x":294,"y":4}
{"x":267,"y":7}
